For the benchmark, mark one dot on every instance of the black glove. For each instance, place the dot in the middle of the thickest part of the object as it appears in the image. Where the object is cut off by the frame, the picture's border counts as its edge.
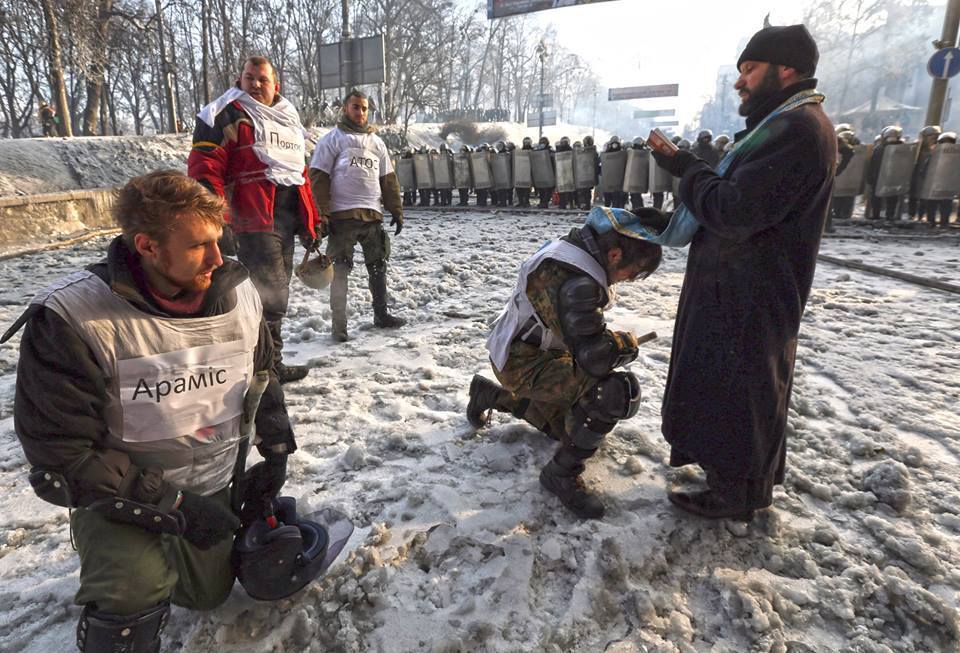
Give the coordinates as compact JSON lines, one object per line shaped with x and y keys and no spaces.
{"x":261,"y":485}
{"x":677,"y":164}
{"x":309,"y":243}
{"x":398,"y":221}
{"x":207,"y":522}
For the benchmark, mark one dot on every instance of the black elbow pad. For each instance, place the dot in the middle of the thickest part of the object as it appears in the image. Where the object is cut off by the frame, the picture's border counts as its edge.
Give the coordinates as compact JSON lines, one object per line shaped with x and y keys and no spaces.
{"x":581,"y":301}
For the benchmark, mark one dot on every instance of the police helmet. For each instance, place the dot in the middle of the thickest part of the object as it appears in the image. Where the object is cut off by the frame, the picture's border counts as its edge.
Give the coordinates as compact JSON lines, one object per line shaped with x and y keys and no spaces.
{"x":947,"y":137}
{"x":721,"y":141}
{"x":588,"y":141}
{"x":465,"y":148}
{"x":577,"y":144}
{"x":891,"y":133}
{"x":273,"y":562}
{"x":315,"y":273}
{"x":443,"y":147}
{"x":638,"y":142}
{"x":705,"y":136}
{"x":510,"y":146}
{"x":527,"y":141}
{"x":930,"y":130}
{"x":684,"y":144}
{"x":544,"y":141}
{"x":615,"y":139}
{"x":565,"y":140}
{"x":843,"y":127}
{"x":500,"y":146}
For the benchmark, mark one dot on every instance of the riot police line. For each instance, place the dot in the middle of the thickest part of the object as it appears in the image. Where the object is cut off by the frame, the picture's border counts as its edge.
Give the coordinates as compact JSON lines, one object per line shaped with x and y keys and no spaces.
{"x":505,"y":175}
{"x":918,"y":179}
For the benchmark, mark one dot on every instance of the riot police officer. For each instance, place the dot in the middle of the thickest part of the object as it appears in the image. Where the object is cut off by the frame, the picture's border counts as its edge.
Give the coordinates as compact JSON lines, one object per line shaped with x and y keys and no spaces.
{"x":636,"y":199}
{"x":616,"y":199}
{"x":925,"y":143}
{"x":464,"y":193}
{"x":483,"y":192}
{"x":523,"y":194}
{"x":943,"y":207}
{"x":409,"y":194}
{"x":891,"y":135}
{"x":704,"y":148}
{"x":545,"y":193}
{"x":566,"y":198}
{"x":585,"y":195}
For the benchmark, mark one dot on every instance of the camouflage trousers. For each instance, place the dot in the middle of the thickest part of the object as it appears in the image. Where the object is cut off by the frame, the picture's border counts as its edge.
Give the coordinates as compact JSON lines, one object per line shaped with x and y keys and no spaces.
{"x":541,"y":387}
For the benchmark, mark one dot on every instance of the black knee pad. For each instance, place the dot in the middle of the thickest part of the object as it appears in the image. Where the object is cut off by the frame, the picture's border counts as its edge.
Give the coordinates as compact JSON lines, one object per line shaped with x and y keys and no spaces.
{"x":100,"y":631}
{"x":613,"y":398}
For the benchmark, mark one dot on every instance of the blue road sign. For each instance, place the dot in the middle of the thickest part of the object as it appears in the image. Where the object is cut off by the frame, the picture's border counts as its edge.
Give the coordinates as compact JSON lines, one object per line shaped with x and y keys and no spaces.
{"x":944,"y":63}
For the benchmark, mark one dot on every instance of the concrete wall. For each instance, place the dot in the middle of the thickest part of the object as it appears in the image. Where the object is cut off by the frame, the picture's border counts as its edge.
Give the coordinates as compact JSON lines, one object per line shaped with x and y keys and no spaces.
{"x":37,"y":220}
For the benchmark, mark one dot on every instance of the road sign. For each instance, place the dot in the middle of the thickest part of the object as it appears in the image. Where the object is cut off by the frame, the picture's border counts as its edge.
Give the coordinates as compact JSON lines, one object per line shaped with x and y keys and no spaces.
{"x":549,"y":118}
{"x":355,"y":62}
{"x":944,"y":63}
{"x":653,"y":113}
{"x":667,"y":123}
{"x":547,"y":101}
{"x":501,"y":8}
{"x":637,"y":92}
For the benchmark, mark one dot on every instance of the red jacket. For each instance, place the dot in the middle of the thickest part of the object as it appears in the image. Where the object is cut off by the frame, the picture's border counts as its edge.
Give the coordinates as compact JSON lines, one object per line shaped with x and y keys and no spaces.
{"x":223,"y":156}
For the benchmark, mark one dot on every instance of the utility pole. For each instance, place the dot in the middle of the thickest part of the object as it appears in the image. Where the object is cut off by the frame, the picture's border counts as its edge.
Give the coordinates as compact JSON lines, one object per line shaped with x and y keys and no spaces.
{"x":542,"y":52}
{"x":948,"y":39}
{"x":346,"y":50}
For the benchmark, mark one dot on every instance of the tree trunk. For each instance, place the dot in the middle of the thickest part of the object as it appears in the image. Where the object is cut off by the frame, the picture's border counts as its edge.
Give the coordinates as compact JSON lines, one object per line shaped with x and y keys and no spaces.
{"x":95,"y":71}
{"x":57,"y":86}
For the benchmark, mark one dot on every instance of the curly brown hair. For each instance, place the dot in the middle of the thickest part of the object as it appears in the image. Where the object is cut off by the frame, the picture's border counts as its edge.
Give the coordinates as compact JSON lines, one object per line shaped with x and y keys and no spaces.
{"x":155,"y":203}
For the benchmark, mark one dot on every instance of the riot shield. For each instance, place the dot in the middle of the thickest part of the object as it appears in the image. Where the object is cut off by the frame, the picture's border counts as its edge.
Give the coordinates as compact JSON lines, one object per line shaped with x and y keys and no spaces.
{"x":442,"y":171}
{"x":660,"y":179}
{"x":565,"y":178}
{"x":480,"y":167}
{"x":542,"y":169}
{"x":636,"y":174}
{"x":850,"y":182}
{"x":522,"y":176}
{"x":896,"y":168}
{"x":942,"y":181}
{"x":461,"y":171}
{"x":423,"y":170}
{"x":585,"y":167}
{"x":612,"y":167}
{"x":500,"y":167}
{"x":405,"y":175}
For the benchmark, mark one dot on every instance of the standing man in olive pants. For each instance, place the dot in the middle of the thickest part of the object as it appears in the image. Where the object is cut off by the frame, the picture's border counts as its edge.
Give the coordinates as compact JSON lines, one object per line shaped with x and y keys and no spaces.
{"x":353,"y":182}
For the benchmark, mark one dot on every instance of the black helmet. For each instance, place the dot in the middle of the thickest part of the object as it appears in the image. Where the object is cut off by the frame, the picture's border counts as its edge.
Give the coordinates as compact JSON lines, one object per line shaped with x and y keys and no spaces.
{"x":564,"y":140}
{"x":615,"y":139}
{"x":273,"y":561}
{"x":684,"y":144}
{"x":891,"y":134}
{"x":465,"y":148}
{"x":638,"y":142}
{"x":705,"y":136}
{"x":544,"y":141}
{"x":588,"y":141}
{"x":527,"y":141}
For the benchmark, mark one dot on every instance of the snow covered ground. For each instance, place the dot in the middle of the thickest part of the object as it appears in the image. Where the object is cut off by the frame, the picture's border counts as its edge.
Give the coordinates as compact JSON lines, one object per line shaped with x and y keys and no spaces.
{"x":458,"y":548}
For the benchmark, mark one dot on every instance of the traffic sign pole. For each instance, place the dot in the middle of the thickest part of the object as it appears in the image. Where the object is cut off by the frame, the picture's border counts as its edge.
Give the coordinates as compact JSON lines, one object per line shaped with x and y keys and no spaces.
{"x":938,"y":88}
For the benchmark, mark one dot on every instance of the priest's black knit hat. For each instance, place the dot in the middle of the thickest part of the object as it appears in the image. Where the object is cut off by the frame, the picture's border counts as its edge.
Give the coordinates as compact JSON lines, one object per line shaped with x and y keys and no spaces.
{"x":788,"y":45}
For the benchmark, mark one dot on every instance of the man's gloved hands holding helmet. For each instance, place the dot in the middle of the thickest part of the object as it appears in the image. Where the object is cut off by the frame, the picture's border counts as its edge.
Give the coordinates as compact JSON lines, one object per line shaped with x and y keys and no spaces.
{"x":310,"y":243}
{"x":208,"y":521}
{"x":397,"y":221}
{"x":261,"y":485}
{"x":676,"y":164}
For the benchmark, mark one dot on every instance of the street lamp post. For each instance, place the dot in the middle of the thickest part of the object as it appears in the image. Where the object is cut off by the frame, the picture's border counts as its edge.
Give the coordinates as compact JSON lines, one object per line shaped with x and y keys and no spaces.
{"x":542,"y":53}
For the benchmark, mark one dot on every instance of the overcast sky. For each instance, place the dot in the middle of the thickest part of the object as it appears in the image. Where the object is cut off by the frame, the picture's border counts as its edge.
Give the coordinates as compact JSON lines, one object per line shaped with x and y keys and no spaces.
{"x":637,"y":42}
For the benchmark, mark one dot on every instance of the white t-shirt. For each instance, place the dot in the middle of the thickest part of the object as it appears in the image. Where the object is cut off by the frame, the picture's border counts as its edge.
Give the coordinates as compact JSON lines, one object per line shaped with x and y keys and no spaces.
{"x":355,"y":163}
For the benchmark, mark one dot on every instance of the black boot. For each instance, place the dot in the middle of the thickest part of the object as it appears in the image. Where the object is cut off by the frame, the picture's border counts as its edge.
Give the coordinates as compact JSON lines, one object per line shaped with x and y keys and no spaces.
{"x":378,"y":288}
{"x":290,"y":373}
{"x":99,"y":632}
{"x":562,"y":477}
{"x":338,"y":301}
{"x":483,"y":398}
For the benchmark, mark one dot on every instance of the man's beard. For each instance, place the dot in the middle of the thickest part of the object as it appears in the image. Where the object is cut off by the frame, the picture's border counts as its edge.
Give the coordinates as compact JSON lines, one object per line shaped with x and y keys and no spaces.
{"x":768,"y":86}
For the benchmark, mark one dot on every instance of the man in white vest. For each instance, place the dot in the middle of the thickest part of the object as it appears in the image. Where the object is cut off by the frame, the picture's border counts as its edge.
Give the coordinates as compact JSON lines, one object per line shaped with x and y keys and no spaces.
{"x":555,"y":356}
{"x":128,"y":405}
{"x":354,"y":182}
{"x":250,"y":140}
